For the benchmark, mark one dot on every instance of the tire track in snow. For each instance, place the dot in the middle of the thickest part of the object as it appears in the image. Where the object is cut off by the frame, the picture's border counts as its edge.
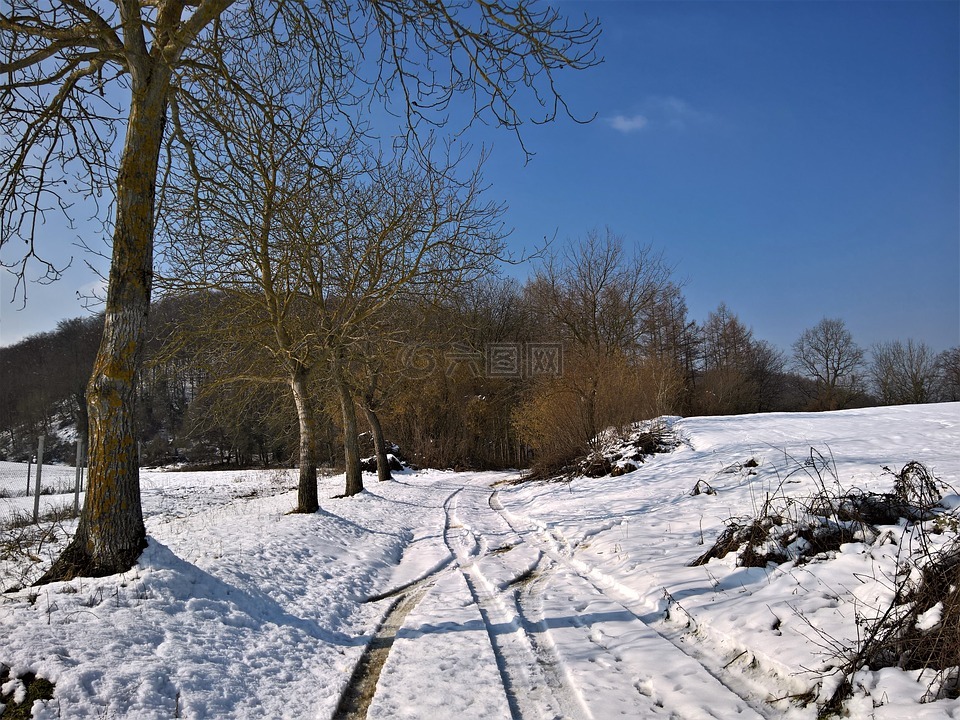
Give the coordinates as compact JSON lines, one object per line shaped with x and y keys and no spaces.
{"x":362,"y":686}
{"x":360,"y":689}
{"x":558,"y":549}
{"x":528,"y":671}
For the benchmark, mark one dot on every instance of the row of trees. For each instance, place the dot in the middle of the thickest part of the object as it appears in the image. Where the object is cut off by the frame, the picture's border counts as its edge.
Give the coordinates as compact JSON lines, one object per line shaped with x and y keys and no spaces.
{"x":489,"y":373}
{"x":899,"y":372}
{"x":171,"y":77}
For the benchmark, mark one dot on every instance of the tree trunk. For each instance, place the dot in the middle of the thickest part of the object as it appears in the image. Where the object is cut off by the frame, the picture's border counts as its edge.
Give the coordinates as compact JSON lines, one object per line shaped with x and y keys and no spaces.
{"x":351,"y":448}
{"x":379,"y":446}
{"x":111,"y":534}
{"x":82,"y":414}
{"x":307,"y":499}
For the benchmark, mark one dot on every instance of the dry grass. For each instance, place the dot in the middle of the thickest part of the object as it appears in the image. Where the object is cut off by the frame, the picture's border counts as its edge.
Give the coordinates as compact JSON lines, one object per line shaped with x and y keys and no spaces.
{"x":32,"y":688}
{"x":24,"y":543}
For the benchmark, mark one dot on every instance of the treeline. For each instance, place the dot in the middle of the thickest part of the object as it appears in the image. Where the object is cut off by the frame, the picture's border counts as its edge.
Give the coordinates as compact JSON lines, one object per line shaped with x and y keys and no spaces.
{"x":43,"y":381}
{"x":495,"y":374}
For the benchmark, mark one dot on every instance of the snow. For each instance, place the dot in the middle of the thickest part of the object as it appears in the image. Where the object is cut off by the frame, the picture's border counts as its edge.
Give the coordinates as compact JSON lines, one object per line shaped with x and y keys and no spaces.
{"x":930,"y":618}
{"x":538,"y":600}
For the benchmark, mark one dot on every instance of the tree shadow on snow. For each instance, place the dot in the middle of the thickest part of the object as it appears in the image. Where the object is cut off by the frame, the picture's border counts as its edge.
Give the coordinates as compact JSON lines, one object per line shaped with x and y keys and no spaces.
{"x":191,"y":589}
{"x":550,"y":623}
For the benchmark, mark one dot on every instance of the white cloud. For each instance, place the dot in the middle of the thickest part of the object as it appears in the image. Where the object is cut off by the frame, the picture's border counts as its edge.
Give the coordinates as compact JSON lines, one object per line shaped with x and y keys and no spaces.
{"x":677,"y":113}
{"x":628,"y":124}
{"x":659,"y":111}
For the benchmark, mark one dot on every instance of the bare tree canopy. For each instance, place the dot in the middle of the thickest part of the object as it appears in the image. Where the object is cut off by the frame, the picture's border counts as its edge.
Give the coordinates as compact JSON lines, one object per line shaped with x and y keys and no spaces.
{"x":905,"y":372}
{"x":75,"y":69}
{"x":78,"y":74}
{"x":599,"y":293}
{"x":827,"y":355}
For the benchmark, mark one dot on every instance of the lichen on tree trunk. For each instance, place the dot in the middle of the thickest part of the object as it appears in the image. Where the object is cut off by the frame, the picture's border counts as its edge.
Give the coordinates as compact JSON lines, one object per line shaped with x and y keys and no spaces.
{"x":111,"y":534}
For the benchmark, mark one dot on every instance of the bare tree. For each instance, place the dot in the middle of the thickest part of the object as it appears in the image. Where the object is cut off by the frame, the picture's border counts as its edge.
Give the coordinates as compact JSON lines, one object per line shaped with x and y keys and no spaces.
{"x":726,"y":341}
{"x":598,"y":299}
{"x":766,"y":367}
{"x":827,"y":355}
{"x":75,"y":72}
{"x":58,"y":58}
{"x":377,"y":370}
{"x":598,"y":293}
{"x":948,"y":367}
{"x":399,"y":229}
{"x":371,"y":402}
{"x":739,"y":373}
{"x":904,"y":373}
{"x":314,"y":230}
{"x":242,"y":156}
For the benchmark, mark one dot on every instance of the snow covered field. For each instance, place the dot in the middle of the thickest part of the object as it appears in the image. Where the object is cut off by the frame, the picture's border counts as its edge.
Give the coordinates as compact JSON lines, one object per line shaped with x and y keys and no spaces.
{"x":485,"y":599}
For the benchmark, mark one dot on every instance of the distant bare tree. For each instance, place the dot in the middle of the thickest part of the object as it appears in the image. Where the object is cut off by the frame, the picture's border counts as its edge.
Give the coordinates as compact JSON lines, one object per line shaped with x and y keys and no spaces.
{"x":598,"y":293}
{"x":948,"y":367}
{"x":726,"y":341}
{"x":827,"y":355}
{"x":766,"y":367}
{"x":904,"y":372}
{"x":739,"y":373}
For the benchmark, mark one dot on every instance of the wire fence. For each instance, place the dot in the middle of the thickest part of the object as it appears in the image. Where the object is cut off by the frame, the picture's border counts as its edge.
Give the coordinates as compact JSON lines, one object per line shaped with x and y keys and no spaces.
{"x":54,"y":479}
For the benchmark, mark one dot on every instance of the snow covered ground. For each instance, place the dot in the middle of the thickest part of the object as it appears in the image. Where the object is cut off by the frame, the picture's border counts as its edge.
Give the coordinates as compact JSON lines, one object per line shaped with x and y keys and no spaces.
{"x":484,"y":599}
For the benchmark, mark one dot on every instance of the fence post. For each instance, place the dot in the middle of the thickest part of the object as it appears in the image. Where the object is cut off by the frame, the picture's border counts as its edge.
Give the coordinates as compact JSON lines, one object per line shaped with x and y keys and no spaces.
{"x":36,"y":497}
{"x":76,"y":487}
{"x":29,"y":474}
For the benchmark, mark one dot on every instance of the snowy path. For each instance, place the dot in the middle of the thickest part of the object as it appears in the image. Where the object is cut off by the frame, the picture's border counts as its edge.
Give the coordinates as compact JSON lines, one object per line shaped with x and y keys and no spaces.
{"x":555,"y":638}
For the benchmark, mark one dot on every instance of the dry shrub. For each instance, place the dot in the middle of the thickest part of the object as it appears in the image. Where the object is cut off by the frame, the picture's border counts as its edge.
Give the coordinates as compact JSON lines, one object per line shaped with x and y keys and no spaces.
{"x":920,"y":628}
{"x":799,"y":529}
{"x":934,"y":643}
{"x":24,"y":543}
{"x":916,"y":488}
{"x":562,"y":419}
{"x":551,"y":424}
{"x":750,"y":539}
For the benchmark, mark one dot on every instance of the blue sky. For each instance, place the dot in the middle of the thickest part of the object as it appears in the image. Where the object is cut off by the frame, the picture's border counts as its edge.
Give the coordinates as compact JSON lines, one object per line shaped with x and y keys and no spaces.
{"x":794,"y":160}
